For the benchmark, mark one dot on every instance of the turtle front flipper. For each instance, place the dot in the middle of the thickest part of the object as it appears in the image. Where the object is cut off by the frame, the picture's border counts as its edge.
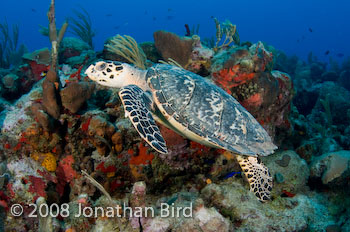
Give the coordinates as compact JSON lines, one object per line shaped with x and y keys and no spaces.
{"x":258,"y":176}
{"x":137,"y":108}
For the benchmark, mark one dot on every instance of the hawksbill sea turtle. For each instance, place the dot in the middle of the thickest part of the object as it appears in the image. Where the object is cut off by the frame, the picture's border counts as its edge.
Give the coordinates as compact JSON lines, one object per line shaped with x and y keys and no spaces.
{"x":192,"y":107}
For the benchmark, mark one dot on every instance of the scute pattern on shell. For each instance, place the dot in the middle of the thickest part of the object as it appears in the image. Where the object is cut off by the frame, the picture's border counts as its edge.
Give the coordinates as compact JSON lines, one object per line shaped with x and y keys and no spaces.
{"x":208,"y":111}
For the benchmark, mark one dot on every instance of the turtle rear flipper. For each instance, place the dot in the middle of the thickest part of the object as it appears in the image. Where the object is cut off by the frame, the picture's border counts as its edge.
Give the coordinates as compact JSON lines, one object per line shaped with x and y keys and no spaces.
{"x":137,"y":108}
{"x":258,"y":176}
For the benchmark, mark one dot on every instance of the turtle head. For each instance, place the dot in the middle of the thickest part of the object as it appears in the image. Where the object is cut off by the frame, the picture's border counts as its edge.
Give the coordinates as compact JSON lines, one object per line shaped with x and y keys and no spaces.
{"x":109,"y":73}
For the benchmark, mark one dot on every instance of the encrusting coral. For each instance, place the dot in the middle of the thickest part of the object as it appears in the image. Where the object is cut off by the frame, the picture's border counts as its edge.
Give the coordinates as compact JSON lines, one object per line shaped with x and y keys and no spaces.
{"x":243,"y":73}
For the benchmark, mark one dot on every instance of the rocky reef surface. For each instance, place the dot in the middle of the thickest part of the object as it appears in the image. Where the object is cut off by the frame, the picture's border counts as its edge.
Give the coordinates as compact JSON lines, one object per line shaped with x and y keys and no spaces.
{"x":68,"y":145}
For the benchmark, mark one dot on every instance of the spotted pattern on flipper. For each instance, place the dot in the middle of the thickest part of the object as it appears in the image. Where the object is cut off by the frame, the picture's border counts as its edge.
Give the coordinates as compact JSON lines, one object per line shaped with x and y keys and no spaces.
{"x":136,"y":109}
{"x":258,"y":176}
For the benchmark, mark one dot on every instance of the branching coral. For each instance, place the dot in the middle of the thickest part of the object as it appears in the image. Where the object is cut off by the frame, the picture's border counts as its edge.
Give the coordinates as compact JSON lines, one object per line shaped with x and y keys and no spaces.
{"x":126,"y":47}
{"x":8,"y":45}
{"x":228,"y":30}
{"x":82,"y":26}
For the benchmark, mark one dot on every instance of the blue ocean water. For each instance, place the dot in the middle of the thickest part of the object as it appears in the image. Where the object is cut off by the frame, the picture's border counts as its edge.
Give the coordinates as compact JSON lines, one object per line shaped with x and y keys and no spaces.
{"x":293,"y":26}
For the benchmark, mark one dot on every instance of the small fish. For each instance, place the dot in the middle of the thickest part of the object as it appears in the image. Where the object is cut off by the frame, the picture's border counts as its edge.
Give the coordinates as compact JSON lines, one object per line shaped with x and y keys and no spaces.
{"x":285,"y":193}
{"x":310,"y":29}
{"x":340,"y":55}
{"x":169,"y":17}
{"x":154,"y":18}
{"x":172,"y":200}
{"x":119,"y":26}
{"x":43,"y":74}
{"x":298,"y":40}
{"x":33,"y":10}
{"x":169,"y":9}
{"x":229,"y":175}
{"x":108,"y":15}
{"x":327,"y":52}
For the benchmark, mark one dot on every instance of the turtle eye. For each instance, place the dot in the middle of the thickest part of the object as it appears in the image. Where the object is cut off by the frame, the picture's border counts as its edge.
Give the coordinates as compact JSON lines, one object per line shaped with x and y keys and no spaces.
{"x":101,"y":67}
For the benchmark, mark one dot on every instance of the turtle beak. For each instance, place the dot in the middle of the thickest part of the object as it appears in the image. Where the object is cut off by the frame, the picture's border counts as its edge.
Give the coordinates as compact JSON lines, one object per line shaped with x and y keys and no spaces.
{"x":90,"y":72}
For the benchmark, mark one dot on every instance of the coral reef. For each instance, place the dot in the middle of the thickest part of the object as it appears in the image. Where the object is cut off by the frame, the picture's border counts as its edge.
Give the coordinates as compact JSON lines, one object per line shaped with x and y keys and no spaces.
{"x":249,"y":215}
{"x":243,"y":73}
{"x":74,"y":52}
{"x":66,"y":141}
{"x":200,"y":59}
{"x":282,"y":166}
